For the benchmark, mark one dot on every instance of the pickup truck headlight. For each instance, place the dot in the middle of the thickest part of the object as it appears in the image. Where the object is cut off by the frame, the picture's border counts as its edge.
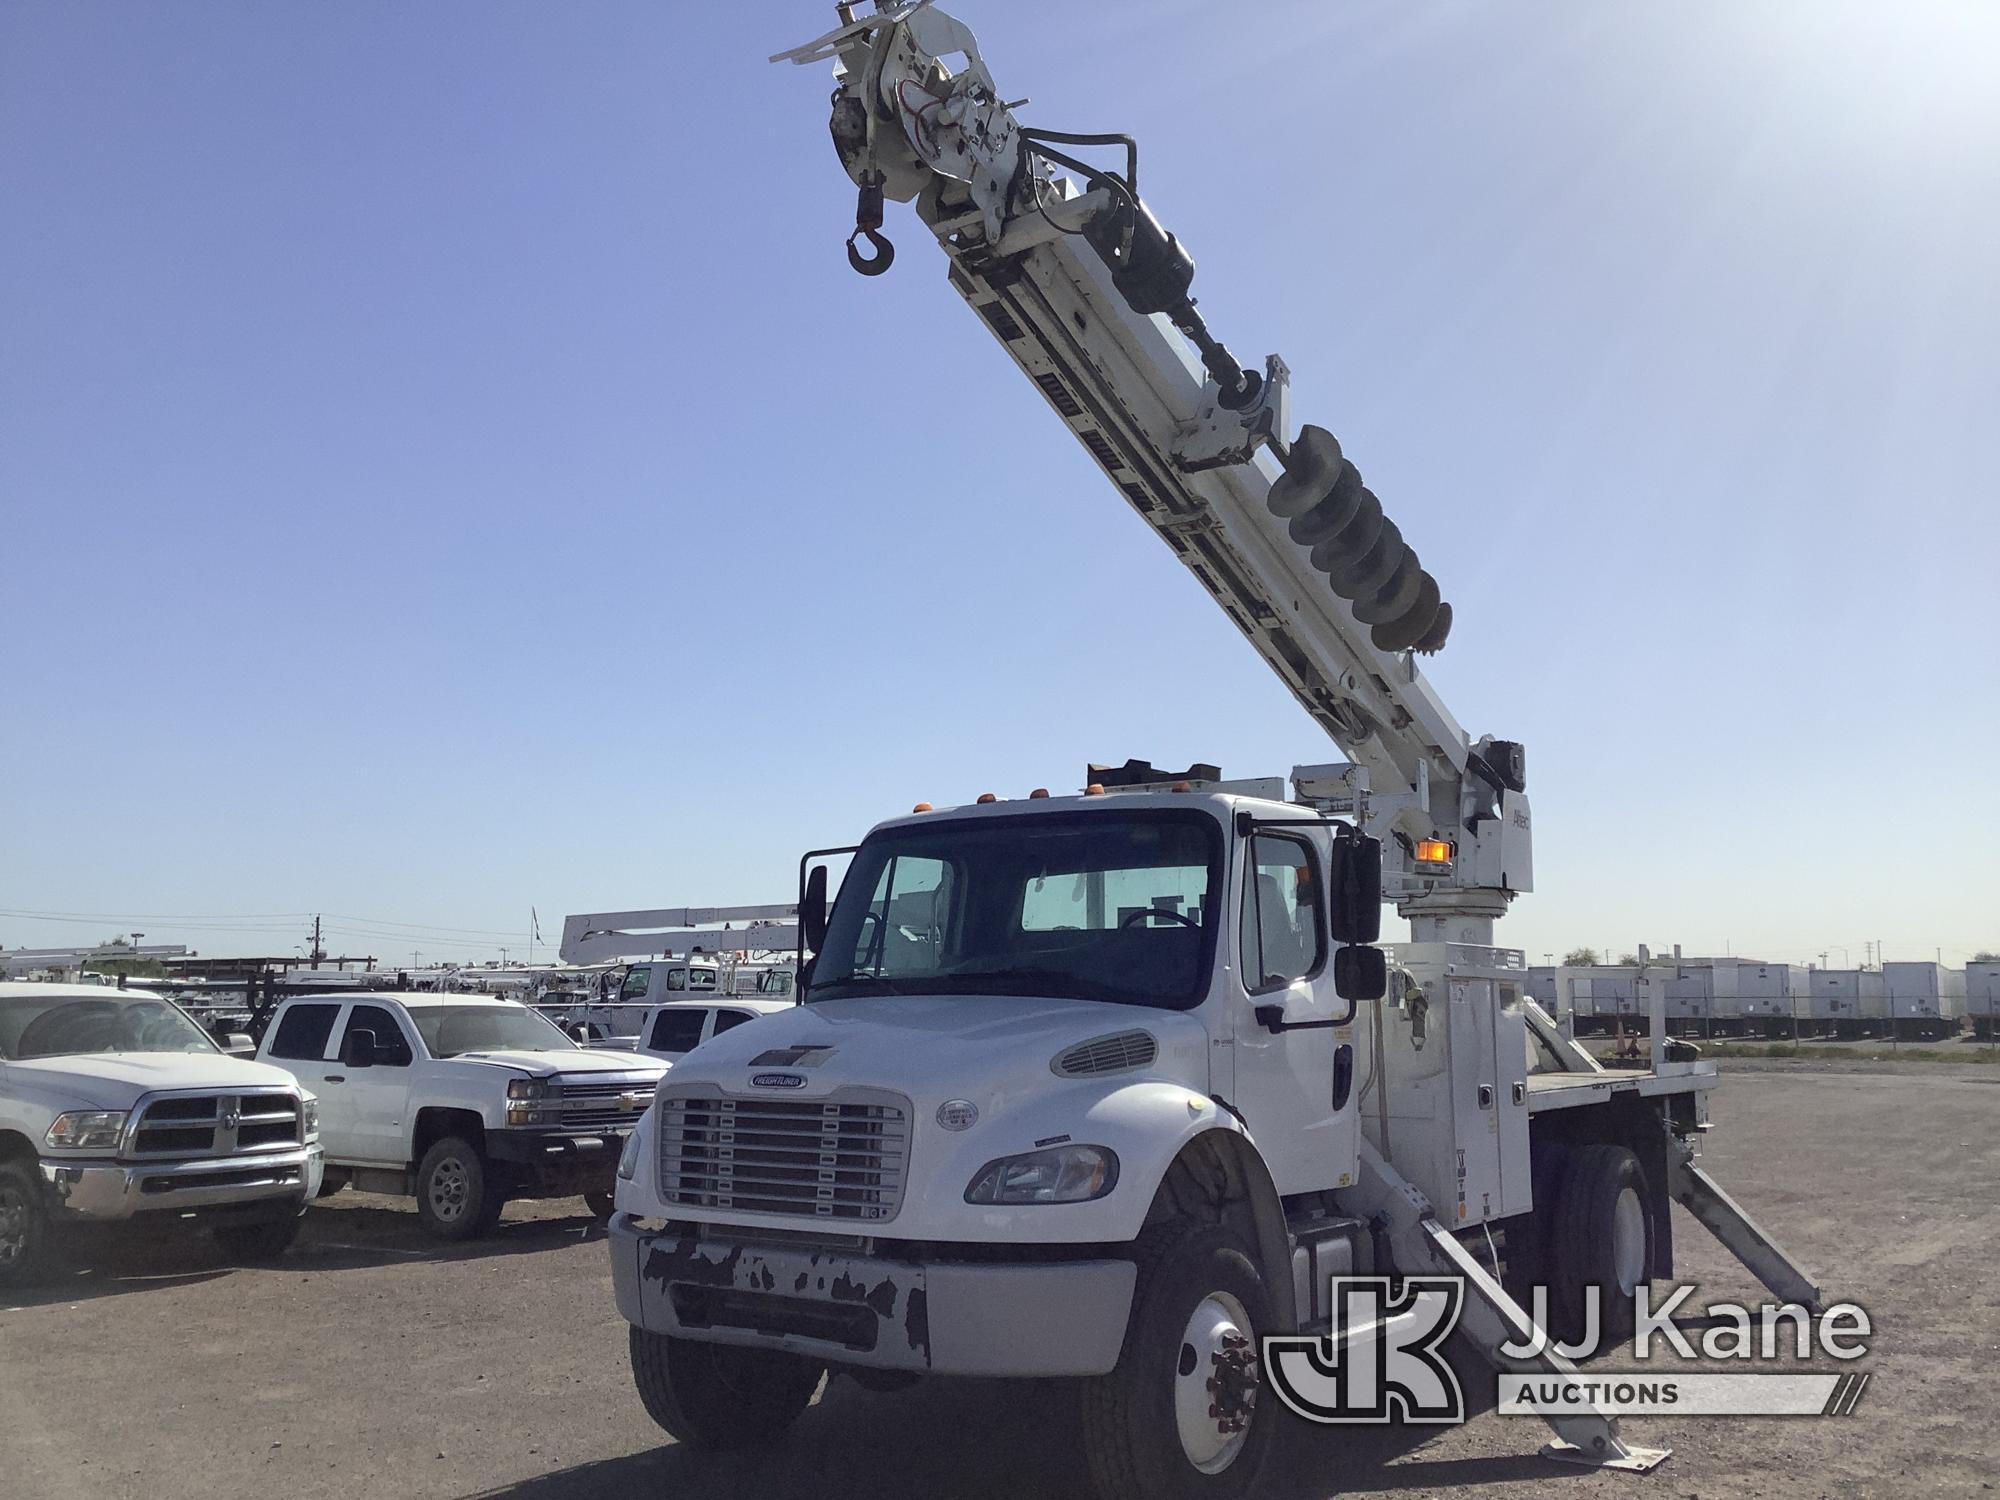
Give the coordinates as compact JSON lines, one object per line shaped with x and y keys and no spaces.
{"x":87,"y":1130}
{"x":532,"y":1114}
{"x":1062,"y":1174}
{"x":526,"y":1088}
{"x":309,"y":1117}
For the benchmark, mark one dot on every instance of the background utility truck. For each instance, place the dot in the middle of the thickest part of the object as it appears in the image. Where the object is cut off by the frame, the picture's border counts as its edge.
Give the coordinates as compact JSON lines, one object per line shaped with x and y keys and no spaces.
{"x":117,"y":1108}
{"x":1110,"y":1086}
{"x":460,"y":1101}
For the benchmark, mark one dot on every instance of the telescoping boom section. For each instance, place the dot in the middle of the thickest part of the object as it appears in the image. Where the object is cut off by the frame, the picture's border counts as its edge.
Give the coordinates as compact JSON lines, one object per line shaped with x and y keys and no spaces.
{"x":1091,"y":298}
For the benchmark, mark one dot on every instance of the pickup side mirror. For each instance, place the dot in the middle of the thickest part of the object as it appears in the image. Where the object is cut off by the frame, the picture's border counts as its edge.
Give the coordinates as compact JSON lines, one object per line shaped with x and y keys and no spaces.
{"x":357,"y":1049}
{"x":239,"y":1044}
{"x":1354,"y":897}
{"x":812,"y":909}
{"x":580,"y":1033}
{"x":1360,"y":973}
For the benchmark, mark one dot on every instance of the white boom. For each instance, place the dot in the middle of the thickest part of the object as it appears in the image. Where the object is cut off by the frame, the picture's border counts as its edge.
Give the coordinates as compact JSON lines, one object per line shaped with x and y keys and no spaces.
{"x":606,"y":936}
{"x":1089,"y":296}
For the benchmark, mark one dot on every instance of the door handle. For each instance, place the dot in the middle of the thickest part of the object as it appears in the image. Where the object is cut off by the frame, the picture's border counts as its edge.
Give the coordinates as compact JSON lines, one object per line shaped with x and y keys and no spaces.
{"x":335,"y":1078}
{"x":1343,"y":1074}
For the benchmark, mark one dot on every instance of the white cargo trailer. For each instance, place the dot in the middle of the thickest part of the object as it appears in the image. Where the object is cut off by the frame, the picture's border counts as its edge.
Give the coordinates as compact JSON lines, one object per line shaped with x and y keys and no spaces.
{"x":1982,"y":995}
{"x":1853,"y":1001}
{"x":1926,"y":1000}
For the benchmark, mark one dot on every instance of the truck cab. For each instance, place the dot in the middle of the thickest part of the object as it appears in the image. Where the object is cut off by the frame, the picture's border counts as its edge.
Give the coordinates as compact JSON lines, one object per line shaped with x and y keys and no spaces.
{"x":460,"y":1101}
{"x":669,"y":1032}
{"x":117,"y":1108}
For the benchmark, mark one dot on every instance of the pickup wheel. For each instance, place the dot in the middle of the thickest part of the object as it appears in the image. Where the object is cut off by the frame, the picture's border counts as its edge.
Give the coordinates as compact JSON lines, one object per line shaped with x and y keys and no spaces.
{"x":600,"y":1205}
{"x":255,"y":1243}
{"x":716,"y":1395}
{"x":457,"y":1194}
{"x":25,"y":1232}
{"x":1180,"y":1416}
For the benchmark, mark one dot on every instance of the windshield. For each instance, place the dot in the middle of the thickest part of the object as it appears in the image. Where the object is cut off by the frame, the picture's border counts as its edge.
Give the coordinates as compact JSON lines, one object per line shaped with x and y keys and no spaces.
{"x":1093,"y":906}
{"x":448,"y":1030}
{"x":63,"y":1026}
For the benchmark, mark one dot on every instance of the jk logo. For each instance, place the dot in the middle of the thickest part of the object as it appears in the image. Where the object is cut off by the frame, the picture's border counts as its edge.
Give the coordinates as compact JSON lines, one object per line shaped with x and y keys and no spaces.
{"x":1380,"y":1363}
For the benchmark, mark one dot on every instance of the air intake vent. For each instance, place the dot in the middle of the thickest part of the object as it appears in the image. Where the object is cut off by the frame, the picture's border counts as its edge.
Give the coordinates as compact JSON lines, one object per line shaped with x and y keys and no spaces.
{"x":1002,"y":321}
{"x":1107,"y":1054}
{"x":1101,"y":450}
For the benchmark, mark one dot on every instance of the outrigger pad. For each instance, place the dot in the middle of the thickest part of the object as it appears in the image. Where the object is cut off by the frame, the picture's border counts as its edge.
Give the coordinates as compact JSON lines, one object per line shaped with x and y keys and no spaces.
{"x":1633,"y":1460}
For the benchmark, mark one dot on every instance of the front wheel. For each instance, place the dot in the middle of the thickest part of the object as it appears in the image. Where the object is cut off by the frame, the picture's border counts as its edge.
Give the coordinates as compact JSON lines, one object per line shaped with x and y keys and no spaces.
{"x":457,"y":1196}
{"x":716,"y":1395}
{"x":1179,"y":1416}
{"x":600,"y":1205}
{"x":25,"y":1233}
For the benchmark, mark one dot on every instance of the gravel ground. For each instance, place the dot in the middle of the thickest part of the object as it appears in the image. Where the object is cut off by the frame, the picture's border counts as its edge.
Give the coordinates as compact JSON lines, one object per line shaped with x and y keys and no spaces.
{"x":374,"y":1363}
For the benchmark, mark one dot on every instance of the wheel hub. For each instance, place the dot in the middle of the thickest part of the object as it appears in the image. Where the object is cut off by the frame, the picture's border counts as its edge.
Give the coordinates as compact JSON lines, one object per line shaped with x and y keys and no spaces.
{"x":448,"y":1189}
{"x":1628,"y":1242}
{"x":1215,"y":1383}
{"x":13,"y":1227}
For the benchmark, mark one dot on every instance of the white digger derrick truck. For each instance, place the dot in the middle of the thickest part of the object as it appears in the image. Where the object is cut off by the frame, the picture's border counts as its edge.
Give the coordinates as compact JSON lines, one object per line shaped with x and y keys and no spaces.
{"x":1112,"y":1086}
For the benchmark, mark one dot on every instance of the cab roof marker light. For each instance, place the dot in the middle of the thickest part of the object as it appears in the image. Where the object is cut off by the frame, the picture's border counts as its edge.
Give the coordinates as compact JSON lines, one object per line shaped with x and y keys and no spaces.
{"x":921,"y":807}
{"x":986,"y":797}
{"x":1038,"y":792}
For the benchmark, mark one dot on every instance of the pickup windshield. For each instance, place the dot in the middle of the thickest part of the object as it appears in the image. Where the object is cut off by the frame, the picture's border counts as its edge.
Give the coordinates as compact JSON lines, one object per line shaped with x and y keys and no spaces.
{"x":1089,"y":906}
{"x":65,"y":1026}
{"x":449,"y":1030}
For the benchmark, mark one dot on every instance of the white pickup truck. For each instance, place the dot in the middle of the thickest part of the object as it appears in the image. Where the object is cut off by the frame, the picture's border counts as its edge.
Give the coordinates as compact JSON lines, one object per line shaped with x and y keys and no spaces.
{"x":115,"y":1107}
{"x":462,"y":1101}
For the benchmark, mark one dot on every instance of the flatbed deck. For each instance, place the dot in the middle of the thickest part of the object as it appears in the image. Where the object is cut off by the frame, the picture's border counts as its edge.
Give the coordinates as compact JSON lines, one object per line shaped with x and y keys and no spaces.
{"x":1572,"y":1090}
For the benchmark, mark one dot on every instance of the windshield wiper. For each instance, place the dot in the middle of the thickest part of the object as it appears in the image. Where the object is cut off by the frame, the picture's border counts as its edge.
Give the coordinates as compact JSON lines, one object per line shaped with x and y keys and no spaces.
{"x":857,"y":981}
{"x":1062,"y":981}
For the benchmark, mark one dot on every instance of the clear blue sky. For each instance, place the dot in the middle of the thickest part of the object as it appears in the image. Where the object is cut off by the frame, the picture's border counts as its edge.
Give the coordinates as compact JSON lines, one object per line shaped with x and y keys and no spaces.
{"x":447,"y":466}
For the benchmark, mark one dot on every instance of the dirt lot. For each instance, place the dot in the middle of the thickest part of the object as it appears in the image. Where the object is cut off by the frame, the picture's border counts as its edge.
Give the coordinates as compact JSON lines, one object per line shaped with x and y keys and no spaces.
{"x":374,"y":1364}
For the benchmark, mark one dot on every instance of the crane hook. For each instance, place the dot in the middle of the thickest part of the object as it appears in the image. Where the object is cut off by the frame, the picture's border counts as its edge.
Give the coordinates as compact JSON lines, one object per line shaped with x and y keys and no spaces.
{"x":868,"y":225}
{"x":884,"y":252}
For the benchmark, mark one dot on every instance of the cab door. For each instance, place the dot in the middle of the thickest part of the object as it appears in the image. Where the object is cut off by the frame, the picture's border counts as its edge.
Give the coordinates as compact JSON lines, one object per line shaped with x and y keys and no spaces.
{"x":1294,"y":1044}
{"x":373,"y":1102}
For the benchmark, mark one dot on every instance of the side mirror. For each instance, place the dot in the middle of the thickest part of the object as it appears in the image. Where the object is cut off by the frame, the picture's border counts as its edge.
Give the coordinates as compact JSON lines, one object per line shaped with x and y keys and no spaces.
{"x":1354,"y":897}
{"x":1360,"y":973}
{"x":239,"y":1044}
{"x":357,"y":1049}
{"x":812,"y":909}
{"x":580,"y":1033}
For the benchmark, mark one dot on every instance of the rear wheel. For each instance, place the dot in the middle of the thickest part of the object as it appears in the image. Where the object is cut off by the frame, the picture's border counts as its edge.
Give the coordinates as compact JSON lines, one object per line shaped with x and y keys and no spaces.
{"x":716,"y":1395}
{"x":1602,"y":1243}
{"x":457,"y":1196}
{"x":1179,"y":1416}
{"x":600,"y":1205}
{"x":25,"y":1232}
{"x":257,"y":1242}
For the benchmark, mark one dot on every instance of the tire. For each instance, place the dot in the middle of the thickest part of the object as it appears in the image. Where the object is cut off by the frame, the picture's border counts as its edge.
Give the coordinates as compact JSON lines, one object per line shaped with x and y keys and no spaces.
{"x":1529,"y":1241}
{"x":716,"y":1395}
{"x":1146,"y":1428}
{"x":1602,"y":1240}
{"x":27,"y":1239}
{"x":601,"y":1205}
{"x":254,"y":1243}
{"x":457,"y":1195}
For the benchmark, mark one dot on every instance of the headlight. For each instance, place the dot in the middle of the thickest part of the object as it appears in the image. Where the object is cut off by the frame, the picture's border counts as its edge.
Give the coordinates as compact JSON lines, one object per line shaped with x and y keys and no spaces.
{"x":532,"y":1114}
{"x":628,"y":1159}
{"x":87,"y":1130}
{"x":526,"y":1088}
{"x":1063,"y":1174}
{"x":309,"y":1114}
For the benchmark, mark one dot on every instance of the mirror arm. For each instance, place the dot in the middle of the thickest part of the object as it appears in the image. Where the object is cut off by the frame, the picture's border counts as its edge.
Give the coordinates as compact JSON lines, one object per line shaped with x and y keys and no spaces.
{"x":1272,"y":1019}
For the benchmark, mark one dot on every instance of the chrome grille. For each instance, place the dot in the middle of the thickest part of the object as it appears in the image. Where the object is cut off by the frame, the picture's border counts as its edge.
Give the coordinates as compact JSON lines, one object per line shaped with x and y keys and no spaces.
{"x":195,"y":1125}
{"x":599,"y":1105}
{"x":844,"y":1157}
{"x":1108,"y":1054}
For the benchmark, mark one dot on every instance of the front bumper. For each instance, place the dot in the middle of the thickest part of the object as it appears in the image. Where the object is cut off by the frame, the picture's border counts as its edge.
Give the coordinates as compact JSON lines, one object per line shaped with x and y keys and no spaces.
{"x":275,"y":1182}
{"x":944,"y":1317}
{"x":559,"y":1162}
